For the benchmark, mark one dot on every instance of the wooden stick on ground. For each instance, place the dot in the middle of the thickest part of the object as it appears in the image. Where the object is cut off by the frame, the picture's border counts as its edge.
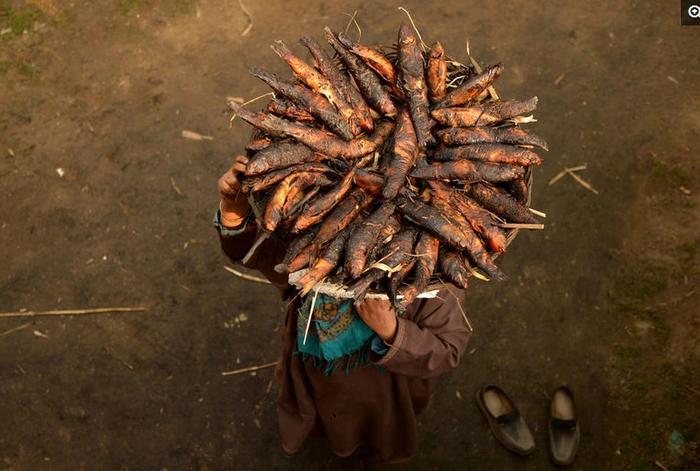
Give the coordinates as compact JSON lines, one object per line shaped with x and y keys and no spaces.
{"x":660,"y":465}
{"x":249,"y":369}
{"x":582,"y":182}
{"x":248,"y":16}
{"x":257,"y":279}
{"x":175,"y":187}
{"x":195,"y":136}
{"x":8,"y":332}
{"x":71,"y":312}
{"x":561,"y":174}
{"x":579,"y":180}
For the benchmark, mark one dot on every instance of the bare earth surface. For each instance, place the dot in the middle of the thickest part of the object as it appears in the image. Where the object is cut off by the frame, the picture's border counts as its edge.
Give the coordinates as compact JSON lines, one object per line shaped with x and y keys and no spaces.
{"x":605,"y":299}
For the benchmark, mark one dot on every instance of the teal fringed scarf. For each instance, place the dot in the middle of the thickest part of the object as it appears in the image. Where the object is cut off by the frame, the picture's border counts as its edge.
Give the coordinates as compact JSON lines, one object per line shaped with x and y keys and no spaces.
{"x":336,"y":332}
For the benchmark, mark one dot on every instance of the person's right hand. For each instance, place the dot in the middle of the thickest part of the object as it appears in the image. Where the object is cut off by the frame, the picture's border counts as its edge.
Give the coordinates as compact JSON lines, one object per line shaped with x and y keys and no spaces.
{"x":234,"y":205}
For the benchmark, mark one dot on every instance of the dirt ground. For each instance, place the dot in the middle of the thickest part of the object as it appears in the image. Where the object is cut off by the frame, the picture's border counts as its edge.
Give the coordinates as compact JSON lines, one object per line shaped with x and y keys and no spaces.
{"x":105,"y":204}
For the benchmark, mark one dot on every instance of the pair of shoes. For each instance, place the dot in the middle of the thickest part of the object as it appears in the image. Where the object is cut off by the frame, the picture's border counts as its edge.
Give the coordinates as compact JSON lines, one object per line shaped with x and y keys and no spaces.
{"x":511,"y":430}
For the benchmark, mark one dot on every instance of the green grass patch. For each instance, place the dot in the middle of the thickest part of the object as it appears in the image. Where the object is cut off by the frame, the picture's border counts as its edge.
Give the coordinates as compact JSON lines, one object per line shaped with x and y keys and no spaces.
{"x":183,"y":7}
{"x":171,"y":7}
{"x":687,"y":255}
{"x":25,"y":68}
{"x":658,"y":397}
{"x":640,"y":283}
{"x":669,"y":174}
{"x":28,"y":70}
{"x":18,"y":20}
{"x":661,"y":425}
{"x":5,"y":66}
{"x":127,"y":6}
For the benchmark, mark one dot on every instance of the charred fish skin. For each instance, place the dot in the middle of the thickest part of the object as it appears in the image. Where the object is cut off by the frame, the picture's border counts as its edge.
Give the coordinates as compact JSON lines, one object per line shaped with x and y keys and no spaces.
{"x":316,"y":139}
{"x":474,"y":247}
{"x":483,"y":115}
{"x":453,"y":266}
{"x":372,"y":57}
{"x":364,"y":238}
{"x":342,"y":215}
{"x":413,"y":84}
{"x":481,"y":221}
{"x":512,"y":135}
{"x":325,"y":264}
{"x":489,"y":152}
{"x":278,"y":156}
{"x":436,"y":73}
{"x":501,"y":203}
{"x":317,"y":82}
{"x":284,"y":108}
{"x":397,"y":252}
{"x":520,"y":189}
{"x":405,"y":151}
{"x":471,"y":89}
{"x":262,"y":182}
{"x":427,"y":249}
{"x":274,"y":211}
{"x":371,"y":182}
{"x":429,"y":218}
{"x":294,"y":249}
{"x":413,"y":190}
{"x":258,"y":141}
{"x":302,"y":259}
{"x":315,"y":103}
{"x":366,"y":80}
{"x":392,"y":227}
{"x":315,"y":212}
{"x":330,"y":70}
{"x":469,"y":171}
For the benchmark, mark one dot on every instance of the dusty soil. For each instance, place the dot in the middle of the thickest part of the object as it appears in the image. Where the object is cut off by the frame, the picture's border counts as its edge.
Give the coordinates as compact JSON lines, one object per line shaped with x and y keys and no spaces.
{"x":604,"y":300}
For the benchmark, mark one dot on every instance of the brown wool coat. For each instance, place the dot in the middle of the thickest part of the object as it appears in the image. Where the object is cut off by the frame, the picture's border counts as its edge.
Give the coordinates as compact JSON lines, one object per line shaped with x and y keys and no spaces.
{"x":376,"y":404}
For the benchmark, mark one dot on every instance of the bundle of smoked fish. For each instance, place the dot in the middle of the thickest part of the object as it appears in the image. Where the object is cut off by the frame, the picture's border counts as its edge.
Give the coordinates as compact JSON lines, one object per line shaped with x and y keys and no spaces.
{"x":388,"y":172}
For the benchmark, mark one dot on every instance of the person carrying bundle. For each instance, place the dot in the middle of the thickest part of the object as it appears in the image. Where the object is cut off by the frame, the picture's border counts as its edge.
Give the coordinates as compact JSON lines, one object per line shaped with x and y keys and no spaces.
{"x":361,"y":374}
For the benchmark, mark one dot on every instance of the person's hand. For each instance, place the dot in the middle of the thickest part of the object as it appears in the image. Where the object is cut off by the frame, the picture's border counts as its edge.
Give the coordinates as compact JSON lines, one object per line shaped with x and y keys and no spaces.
{"x":380,"y":317}
{"x":234,"y":205}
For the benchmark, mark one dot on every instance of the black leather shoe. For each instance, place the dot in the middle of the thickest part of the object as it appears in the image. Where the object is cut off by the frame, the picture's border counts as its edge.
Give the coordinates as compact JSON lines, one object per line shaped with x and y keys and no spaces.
{"x":505,"y":421}
{"x":564,"y":430}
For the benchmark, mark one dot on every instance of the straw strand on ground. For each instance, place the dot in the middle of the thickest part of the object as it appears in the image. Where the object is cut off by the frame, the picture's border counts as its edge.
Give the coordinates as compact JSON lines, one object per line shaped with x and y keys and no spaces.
{"x":72,"y":312}
{"x":256,"y":279}
{"x":248,"y":369}
{"x":249,"y":16}
{"x":563,"y":173}
{"x":582,"y":182}
{"x":16,"y":329}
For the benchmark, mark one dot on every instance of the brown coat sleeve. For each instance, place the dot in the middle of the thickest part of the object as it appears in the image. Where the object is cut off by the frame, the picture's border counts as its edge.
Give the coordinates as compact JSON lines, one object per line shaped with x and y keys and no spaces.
{"x":236,"y":243}
{"x":431,"y":341}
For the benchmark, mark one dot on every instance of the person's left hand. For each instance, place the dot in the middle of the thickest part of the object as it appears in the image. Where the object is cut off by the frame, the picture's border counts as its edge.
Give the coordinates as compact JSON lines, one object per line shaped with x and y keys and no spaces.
{"x":380,"y":317}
